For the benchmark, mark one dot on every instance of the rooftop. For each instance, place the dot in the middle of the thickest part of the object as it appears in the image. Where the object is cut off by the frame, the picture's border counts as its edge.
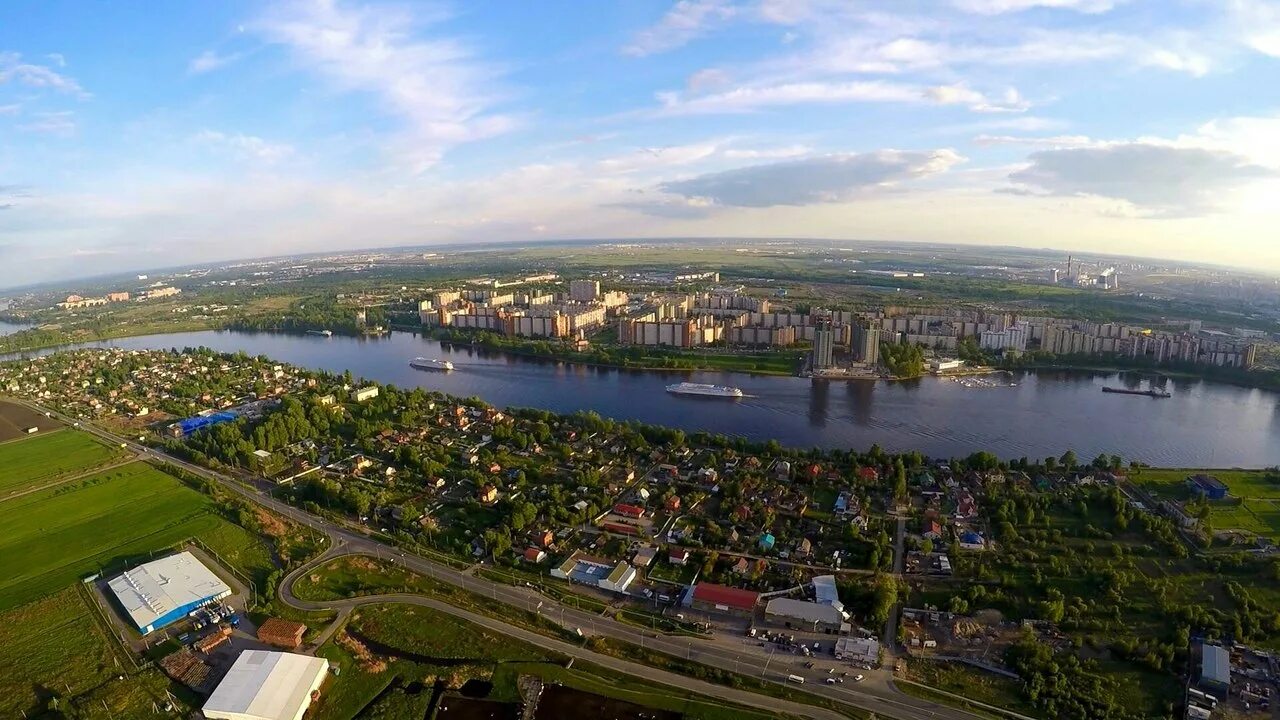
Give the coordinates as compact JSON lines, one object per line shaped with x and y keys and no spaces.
{"x":804,"y":611}
{"x":734,"y":598}
{"x":151,"y":592}
{"x":266,"y":685}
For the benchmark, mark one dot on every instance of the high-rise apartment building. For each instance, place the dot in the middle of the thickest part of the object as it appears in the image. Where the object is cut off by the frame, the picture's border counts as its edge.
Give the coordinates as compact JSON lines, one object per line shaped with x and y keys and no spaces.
{"x":823,"y":346}
{"x":864,"y":341}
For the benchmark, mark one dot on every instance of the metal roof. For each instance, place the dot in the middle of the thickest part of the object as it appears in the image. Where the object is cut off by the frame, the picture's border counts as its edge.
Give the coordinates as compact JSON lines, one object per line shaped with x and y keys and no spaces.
{"x":152,"y":591}
{"x":804,"y":611}
{"x":824,"y":590}
{"x":265,"y":685}
{"x":727,"y":596}
{"x":1215,"y":665}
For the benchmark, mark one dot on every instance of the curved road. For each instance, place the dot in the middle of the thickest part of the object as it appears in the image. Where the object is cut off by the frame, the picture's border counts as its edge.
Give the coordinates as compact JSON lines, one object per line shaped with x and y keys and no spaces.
{"x":876,"y":694}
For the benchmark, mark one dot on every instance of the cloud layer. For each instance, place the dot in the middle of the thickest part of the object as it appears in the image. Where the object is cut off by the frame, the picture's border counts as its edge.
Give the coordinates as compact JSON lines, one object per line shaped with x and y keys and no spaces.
{"x":822,"y":179}
{"x":1161,"y":179}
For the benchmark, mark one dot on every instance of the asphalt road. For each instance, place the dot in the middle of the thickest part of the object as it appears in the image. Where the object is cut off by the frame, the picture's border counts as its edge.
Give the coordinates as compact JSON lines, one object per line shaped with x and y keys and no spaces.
{"x":876,"y":694}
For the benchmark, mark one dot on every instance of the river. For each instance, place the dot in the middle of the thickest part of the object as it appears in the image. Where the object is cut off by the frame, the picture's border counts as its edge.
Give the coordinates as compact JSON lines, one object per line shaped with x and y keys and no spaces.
{"x":10,"y":328}
{"x":1043,"y":413}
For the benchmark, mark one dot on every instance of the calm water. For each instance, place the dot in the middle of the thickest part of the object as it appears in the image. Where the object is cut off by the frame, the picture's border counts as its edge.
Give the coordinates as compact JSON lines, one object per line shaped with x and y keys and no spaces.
{"x":1203,"y":424}
{"x":7,"y":328}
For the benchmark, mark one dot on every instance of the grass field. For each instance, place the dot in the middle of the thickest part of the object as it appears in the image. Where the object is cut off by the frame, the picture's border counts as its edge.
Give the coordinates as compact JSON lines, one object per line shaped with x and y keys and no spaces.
{"x":969,"y":682}
{"x":58,"y":535}
{"x":36,"y":643}
{"x":1252,"y":505}
{"x":41,"y":459}
{"x":426,"y":632}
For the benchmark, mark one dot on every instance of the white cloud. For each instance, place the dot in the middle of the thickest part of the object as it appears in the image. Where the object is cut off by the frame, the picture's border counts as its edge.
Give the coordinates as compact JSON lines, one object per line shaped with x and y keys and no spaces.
{"x":807,"y":181}
{"x":57,"y":59}
{"x":1053,"y":141}
{"x":1257,"y":22}
{"x":1010,"y":100}
{"x":685,"y":21}
{"x":751,"y":98}
{"x":13,"y":69}
{"x":208,"y":61}
{"x":788,"y":151}
{"x":997,"y":7}
{"x":10,"y":109}
{"x":246,"y":147}
{"x":1162,"y":180}
{"x":437,"y":85}
{"x":61,"y":123}
{"x":707,"y":79}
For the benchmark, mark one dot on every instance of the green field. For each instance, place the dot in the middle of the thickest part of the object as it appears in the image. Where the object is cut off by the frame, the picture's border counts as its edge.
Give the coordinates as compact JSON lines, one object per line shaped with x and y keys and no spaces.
{"x":484,"y":654}
{"x":1252,"y":505}
{"x":36,"y":642}
{"x":58,"y":535}
{"x":39,"y":460}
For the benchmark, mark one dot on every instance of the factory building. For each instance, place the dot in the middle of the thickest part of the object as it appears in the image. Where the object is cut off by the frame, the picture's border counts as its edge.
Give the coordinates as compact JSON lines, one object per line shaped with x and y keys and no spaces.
{"x":164,"y":591}
{"x":267,"y":685}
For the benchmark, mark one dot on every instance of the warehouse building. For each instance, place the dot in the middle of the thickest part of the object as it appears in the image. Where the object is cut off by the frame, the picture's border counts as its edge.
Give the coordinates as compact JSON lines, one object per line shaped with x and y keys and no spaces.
{"x":720,"y":598}
{"x":803,"y":615}
{"x":1215,"y":670}
{"x":267,"y":685}
{"x":164,"y":591}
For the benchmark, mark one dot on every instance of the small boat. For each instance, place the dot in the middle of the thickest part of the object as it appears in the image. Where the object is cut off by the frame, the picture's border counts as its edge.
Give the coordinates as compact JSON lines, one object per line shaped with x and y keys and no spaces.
{"x":688,"y":388}
{"x":421,"y":363}
{"x":321,"y":333}
{"x":1125,"y":391}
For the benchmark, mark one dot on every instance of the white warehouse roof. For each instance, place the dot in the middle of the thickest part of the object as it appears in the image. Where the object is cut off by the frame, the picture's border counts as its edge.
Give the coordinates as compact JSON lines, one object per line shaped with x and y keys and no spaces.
{"x":265,"y":685}
{"x":162,"y":591}
{"x":1215,"y":665}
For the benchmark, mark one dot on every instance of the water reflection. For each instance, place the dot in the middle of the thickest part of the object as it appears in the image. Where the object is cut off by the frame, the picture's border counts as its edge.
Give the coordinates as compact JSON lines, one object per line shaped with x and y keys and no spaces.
{"x":1046,"y":413}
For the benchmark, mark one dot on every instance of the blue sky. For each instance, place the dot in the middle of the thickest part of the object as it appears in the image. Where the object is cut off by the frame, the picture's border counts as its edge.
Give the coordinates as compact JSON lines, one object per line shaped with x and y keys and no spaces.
{"x":145,"y":134}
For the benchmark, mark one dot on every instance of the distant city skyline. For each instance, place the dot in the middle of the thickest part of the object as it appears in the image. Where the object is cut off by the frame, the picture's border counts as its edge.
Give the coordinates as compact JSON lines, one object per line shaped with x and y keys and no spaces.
{"x":141,"y":136}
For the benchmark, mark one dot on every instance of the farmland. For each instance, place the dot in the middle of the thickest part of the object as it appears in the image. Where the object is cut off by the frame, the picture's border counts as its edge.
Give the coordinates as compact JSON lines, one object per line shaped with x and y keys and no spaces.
{"x":37,"y":644}
{"x":58,"y":535}
{"x":15,"y":419}
{"x":39,"y":460}
{"x":1252,"y":505}
{"x":52,"y":645}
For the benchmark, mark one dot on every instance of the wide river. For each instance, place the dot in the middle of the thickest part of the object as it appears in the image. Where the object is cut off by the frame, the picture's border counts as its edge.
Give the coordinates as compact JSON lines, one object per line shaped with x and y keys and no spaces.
{"x":1039,"y":414}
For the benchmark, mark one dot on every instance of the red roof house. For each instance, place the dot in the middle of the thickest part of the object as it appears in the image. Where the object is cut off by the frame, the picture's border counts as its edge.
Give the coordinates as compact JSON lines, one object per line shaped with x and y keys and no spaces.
{"x":721,"y":597}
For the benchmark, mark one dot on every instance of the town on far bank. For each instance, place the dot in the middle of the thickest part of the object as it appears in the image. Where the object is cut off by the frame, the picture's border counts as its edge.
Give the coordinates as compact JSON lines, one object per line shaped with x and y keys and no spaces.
{"x":1017,"y":582}
{"x":811,"y":311}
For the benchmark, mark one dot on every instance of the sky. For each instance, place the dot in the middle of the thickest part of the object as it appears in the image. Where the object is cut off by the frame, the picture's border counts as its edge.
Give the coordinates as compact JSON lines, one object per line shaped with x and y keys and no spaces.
{"x":147,"y":134}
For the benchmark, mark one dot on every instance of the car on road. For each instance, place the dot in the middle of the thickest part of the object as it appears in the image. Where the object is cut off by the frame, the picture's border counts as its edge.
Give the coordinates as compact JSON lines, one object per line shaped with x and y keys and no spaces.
{"x":831,"y":681}
{"x":857,"y":678}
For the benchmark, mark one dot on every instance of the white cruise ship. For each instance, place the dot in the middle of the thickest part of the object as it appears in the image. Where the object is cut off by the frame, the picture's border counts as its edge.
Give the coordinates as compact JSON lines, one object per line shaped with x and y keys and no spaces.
{"x":422,"y":363}
{"x":688,"y":388}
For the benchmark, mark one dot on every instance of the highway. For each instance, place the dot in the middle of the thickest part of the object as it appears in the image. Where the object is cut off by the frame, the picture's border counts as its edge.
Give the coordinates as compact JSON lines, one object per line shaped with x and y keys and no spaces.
{"x":876,"y":694}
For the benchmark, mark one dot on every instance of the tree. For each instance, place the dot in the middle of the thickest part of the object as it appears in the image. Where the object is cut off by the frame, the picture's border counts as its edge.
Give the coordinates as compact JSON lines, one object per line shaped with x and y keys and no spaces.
{"x":1068,"y":460}
{"x":498,"y":542}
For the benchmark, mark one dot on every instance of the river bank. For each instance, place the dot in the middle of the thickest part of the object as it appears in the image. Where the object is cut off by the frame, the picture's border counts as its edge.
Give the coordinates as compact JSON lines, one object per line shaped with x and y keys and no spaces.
{"x":1040,"y":413}
{"x":778,"y":364}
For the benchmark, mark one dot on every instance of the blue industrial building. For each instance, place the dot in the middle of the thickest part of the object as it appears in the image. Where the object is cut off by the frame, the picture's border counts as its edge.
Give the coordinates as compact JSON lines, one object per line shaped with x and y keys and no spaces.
{"x":164,"y":591}
{"x":1207,"y":486}
{"x":199,"y":422}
